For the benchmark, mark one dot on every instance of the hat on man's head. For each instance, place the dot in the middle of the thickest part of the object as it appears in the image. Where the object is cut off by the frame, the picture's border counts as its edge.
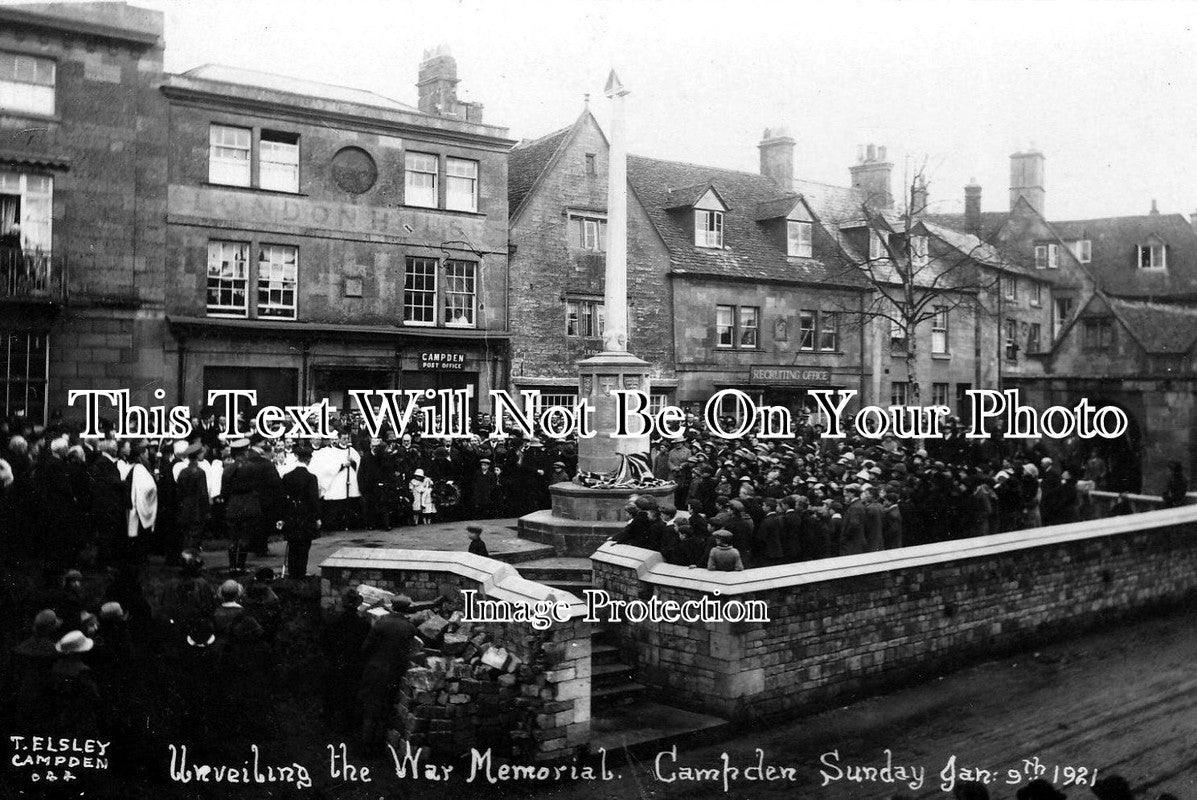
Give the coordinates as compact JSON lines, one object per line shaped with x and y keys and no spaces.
{"x":239,"y":444}
{"x":230,"y":590}
{"x":646,"y":503}
{"x":46,"y":621}
{"x":112,"y":611}
{"x":74,"y":642}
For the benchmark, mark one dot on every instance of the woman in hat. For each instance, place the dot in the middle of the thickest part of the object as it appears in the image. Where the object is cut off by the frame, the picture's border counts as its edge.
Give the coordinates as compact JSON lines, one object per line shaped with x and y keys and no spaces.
{"x":422,"y":507}
{"x":76,"y":698}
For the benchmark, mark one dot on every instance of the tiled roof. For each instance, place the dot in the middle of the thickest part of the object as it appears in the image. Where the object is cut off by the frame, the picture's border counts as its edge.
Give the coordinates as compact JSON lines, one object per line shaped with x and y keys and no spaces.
{"x":833,"y":204}
{"x":991,"y":222}
{"x":750,"y":252}
{"x":222,"y":73}
{"x":1159,"y":328}
{"x":527,"y":161}
{"x":1114,"y":253}
{"x":687,"y":196}
{"x":777,"y":208}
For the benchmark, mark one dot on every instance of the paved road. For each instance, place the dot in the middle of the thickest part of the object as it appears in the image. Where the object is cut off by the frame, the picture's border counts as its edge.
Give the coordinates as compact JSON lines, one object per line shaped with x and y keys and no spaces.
{"x":1121,"y":701}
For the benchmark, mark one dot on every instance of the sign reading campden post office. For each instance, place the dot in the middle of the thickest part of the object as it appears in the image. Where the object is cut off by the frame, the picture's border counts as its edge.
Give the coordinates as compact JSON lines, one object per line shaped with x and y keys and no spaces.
{"x":442,"y":361}
{"x":804,"y":376}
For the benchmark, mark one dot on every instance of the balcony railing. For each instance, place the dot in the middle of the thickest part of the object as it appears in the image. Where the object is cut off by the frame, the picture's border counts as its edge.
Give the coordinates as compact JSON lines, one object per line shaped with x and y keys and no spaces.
{"x":31,"y":275}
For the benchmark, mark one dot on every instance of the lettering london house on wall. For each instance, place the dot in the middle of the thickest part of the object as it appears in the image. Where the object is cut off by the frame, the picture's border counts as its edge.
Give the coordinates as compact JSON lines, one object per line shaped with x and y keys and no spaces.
{"x":322,"y":239}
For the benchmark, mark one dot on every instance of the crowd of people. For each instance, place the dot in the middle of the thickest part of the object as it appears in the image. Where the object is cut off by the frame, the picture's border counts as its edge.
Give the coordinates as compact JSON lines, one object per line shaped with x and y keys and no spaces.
{"x":109,"y":500}
{"x":69,"y":503}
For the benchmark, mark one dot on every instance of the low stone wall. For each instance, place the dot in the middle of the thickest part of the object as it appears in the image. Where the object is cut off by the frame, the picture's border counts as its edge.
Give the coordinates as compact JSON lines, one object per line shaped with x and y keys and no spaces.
{"x":1139,"y":502}
{"x":534,"y":706}
{"x":866,"y":623}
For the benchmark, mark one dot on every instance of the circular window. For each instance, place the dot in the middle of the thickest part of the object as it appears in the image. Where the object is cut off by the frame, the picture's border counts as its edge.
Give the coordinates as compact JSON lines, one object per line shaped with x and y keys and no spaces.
{"x":354,"y":170}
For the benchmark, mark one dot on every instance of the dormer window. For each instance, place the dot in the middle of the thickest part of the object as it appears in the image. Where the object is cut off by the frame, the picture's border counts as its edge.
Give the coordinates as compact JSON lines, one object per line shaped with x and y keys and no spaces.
{"x":1152,"y":255}
{"x":919,"y":252}
{"x":1047,"y":256}
{"x":1083,"y":250}
{"x":708,"y":228}
{"x":798,"y":239}
{"x":876,"y":248}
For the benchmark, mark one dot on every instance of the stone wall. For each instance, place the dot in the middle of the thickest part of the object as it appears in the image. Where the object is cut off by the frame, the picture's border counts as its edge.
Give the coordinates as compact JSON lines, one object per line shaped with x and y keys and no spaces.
{"x":537,"y":689}
{"x":845,"y":626}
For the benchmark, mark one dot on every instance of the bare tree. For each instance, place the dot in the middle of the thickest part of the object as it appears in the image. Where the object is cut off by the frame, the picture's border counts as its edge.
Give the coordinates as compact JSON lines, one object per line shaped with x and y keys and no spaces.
{"x":908,"y":282}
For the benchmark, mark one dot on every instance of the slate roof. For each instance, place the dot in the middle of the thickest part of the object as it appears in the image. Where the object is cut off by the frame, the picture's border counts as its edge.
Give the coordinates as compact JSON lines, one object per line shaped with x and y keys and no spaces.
{"x":775,"y":209}
{"x":1113,"y":252}
{"x":991,"y":222}
{"x":750,"y":251}
{"x":1159,"y":328}
{"x":222,"y":73}
{"x":527,"y":161}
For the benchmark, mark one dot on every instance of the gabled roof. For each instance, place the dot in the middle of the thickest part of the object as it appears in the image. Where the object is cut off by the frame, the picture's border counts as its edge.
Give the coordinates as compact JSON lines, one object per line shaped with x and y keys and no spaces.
{"x":1113,"y":264}
{"x":527,"y":162}
{"x":222,"y":73}
{"x":776,"y":208}
{"x":751,"y":250}
{"x":688,"y":196}
{"x":1159,"y":328}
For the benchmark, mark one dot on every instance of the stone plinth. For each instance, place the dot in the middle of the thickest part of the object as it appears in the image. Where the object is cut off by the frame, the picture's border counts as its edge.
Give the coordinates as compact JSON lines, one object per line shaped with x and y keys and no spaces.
{"x":582,"y":518}
{"x":598,"y":377}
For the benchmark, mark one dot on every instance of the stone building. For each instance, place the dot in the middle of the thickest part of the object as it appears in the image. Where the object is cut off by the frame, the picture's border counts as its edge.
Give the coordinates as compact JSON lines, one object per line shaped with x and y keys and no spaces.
{"x":83,"y":157}
{"x":557,"y":192}
{"x":1121,"y":294}
{"x":322,"y":239}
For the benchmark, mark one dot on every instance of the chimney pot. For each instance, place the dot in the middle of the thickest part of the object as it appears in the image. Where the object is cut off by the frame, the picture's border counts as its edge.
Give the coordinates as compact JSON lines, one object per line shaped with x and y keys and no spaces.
{"x":777,"y":157}
{"x":972,"y":207}
{"x":1155,"y":211}
{"x":1027,"y":179}
{"x":871,"y":175}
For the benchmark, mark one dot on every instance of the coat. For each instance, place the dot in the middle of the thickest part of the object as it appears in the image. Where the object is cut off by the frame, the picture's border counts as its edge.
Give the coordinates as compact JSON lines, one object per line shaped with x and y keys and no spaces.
{"x":302,"y":491}
{"x":191,"y":490}
{"x":387,"y":650}
{"x":852,"y":533}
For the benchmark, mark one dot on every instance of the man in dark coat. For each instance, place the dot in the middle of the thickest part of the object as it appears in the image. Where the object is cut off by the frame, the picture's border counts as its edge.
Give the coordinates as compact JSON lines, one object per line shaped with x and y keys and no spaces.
{"x":341,"y":642}
{"x":302,"y":520}
{"x":874,"y":522}
{"x":33,"y":659}
{"x":483,"y":489}
{"x":191,"y":491}
{"x":852,"y":531}
{"x":769,"y":534}
{"x":107,"y":492}
{"x":387,"y":650}
{"x":270,"y":495}
{"x":375,"y":478}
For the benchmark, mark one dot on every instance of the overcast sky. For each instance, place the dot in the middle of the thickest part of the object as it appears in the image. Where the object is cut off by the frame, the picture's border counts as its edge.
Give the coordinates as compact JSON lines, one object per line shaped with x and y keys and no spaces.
{"x":1107,"y":90}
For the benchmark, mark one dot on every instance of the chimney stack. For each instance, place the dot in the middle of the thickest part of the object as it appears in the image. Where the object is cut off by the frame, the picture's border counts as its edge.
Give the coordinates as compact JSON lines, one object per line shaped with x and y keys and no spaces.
{"x":1155,"y":210}
{"x":972,"y":207}
{"x":871,"y":174}
{"x":1193,"y":221}
{"x":918,"y":196}
{"x":1026,"y":179}
{"x":437,"y":87}
{"x":777,"y":157}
